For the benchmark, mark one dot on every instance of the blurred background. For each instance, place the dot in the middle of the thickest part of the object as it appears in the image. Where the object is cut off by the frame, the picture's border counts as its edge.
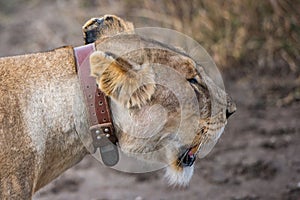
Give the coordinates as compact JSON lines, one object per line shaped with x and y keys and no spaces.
{"x":255,"y":44}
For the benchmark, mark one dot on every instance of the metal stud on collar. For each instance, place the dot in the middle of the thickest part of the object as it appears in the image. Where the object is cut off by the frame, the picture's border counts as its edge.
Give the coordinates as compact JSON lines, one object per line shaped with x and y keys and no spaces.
{"x":101,"y":139}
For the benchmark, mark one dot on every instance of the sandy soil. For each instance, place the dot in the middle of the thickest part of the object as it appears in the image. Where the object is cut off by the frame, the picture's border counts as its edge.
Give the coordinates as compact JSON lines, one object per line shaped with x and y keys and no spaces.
{"x":257,"y":157}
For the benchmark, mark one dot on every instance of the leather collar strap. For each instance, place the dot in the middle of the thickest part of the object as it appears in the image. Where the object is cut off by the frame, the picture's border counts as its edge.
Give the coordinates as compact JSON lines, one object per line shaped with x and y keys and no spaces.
{"x":102,"y":130}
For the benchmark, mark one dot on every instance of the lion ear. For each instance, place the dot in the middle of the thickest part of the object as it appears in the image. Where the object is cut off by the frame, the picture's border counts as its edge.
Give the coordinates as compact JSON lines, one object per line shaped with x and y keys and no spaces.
{"x":108,"y":25}
{"x":128,"y":83}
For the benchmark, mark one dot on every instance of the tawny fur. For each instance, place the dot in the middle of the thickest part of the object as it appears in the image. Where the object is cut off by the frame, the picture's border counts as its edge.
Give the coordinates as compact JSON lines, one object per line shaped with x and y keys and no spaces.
{"x":105,"y":26}
{"x":127,"y":84}
{"x":205,"y":130}
{"x":41,"y":108}
{"x":37,"y":133}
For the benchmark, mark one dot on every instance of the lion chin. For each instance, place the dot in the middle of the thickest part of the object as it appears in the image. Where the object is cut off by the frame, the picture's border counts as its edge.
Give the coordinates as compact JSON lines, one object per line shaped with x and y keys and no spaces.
{"x":179,"y":176}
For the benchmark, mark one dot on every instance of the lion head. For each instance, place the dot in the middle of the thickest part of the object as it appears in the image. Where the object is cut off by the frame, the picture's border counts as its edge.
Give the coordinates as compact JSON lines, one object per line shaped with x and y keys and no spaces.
{"x":165,"y":107}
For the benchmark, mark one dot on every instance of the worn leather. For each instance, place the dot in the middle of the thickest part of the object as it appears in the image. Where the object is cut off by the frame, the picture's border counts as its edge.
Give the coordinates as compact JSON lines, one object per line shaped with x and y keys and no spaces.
{"x":97,"y":103}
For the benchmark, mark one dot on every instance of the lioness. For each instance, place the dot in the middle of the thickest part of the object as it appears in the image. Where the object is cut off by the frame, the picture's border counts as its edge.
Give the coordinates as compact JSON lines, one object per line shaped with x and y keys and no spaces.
{"x":39,"y":132}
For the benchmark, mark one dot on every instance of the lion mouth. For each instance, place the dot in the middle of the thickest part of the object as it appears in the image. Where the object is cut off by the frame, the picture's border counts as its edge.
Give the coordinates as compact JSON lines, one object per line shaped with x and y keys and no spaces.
{"x":187,"y":159}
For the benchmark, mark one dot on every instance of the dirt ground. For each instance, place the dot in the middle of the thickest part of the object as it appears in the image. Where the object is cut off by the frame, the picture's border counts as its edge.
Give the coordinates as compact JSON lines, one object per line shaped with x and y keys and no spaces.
{"x":257,"y":157}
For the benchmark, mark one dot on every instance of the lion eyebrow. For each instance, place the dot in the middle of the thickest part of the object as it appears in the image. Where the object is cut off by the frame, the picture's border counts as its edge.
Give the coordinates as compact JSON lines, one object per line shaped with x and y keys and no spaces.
{"x":198,"y":84}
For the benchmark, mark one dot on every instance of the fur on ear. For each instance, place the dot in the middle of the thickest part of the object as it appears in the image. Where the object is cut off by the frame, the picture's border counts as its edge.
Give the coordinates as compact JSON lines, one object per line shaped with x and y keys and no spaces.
{"x":128,"y":83}
{"x":108,"y":25}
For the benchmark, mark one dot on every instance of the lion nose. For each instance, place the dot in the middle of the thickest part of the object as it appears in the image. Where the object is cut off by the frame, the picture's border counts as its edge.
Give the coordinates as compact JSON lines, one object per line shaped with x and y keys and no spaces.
{"x":229,"y":113}
{"x":231,"y":107}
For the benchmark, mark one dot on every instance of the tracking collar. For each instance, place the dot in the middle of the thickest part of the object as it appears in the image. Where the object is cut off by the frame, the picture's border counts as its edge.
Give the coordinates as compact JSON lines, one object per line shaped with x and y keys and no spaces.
{"x":97,"y":104}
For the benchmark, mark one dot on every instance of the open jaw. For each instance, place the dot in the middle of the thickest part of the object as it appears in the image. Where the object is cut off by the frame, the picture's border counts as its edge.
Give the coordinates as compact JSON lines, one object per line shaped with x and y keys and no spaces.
{"x":181,"y":171}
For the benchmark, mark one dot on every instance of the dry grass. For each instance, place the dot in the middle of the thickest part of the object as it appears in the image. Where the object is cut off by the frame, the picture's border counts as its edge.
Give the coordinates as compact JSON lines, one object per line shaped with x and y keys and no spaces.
{"x":235,"y":32}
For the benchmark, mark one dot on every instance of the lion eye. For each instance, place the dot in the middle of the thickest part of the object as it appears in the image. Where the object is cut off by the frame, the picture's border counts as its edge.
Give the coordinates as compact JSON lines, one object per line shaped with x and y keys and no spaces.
{"x":192,"y":81}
